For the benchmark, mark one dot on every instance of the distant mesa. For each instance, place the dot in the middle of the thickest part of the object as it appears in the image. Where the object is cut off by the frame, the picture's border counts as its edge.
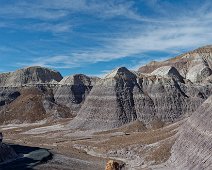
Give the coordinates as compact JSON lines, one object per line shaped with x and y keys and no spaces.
{"x":36,"y":93}
{"x":195,"y":65}
{"x":29,"y":75}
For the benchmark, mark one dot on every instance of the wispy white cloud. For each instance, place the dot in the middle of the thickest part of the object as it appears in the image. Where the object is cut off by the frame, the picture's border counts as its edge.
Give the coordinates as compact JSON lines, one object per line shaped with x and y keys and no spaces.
{"x":101,"y":9}
{"x":183,"y":31}
{"x":165,"y":37}
{"x":53,"y":62}
{"x":56,"y":16}
{"x":54,"y":9}
{"x":2,"y":25}
{"x":24,"y":10}
{"x":49,"y":27}
{"x":4,"y":48}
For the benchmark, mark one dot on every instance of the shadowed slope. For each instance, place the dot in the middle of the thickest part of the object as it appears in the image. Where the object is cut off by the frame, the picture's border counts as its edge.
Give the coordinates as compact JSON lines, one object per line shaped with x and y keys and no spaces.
{"x":29,"y":158}
{"x":73,"y":90}
{"x":6,"y":153}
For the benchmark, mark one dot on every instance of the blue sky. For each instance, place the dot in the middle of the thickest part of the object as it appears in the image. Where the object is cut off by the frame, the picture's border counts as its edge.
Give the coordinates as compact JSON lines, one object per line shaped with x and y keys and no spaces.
{"x":96,"y":36}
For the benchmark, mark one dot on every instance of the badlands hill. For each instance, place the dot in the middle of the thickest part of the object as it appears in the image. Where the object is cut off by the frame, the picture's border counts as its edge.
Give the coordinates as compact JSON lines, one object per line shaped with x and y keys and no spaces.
{"x":195,"y":65}
{"x":36,"y":93}
{"x":123,"y":96}
{"x":110,"y":103}
{"x":164,"y":91}
{"x":72,"y":91}
{"x":32,"y":104}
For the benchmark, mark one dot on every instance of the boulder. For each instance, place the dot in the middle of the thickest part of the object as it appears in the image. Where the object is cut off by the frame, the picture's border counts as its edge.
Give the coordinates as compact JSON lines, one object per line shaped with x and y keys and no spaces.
{"x":6,"y":153}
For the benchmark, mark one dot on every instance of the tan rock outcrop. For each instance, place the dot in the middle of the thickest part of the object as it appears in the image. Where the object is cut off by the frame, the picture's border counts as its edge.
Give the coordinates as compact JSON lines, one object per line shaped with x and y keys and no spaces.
{"x":112,"y":165}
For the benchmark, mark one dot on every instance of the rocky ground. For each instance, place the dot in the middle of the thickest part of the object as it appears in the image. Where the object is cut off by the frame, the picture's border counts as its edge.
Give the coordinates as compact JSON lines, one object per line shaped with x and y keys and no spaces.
{"x":134,"y":145}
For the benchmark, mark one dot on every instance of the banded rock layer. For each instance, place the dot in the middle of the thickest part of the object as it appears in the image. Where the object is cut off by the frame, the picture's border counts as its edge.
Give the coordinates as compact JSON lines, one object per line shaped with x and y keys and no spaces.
{"x":193,"y":147}
{"x":110,"y":103}
{"x":122,"y":97}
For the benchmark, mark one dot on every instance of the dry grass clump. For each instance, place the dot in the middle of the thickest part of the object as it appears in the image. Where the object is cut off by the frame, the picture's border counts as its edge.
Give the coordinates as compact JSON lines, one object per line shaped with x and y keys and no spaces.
{"x":156,"y":124}
{"x":161,"y":153}
{"x":143,"y":138}
{"x":27,"y":107}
